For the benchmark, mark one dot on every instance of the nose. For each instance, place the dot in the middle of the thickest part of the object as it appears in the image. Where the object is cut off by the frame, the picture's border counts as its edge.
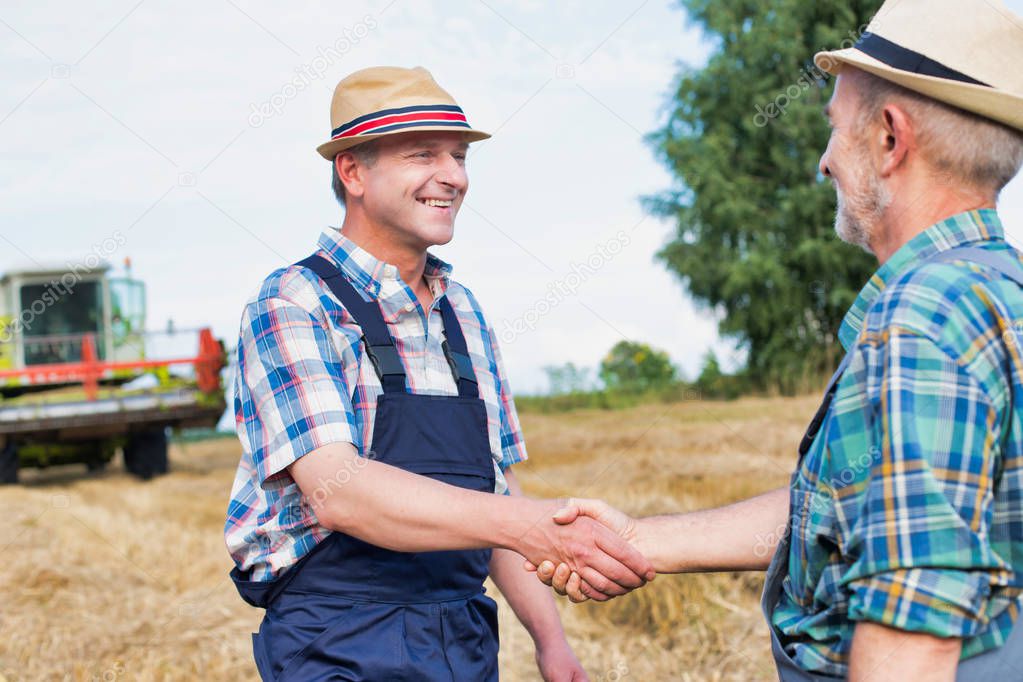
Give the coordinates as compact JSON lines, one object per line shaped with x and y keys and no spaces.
{"x":823,"y":165}
{"x":452,"y":173}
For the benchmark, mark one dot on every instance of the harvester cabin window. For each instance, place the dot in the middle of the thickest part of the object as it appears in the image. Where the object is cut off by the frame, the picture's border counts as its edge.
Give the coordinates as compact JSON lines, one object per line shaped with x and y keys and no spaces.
{"x":55,"y":334}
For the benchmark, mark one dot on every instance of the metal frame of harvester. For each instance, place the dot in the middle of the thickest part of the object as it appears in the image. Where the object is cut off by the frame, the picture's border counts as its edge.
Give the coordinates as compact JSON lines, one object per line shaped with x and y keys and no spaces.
{"x":73,"y":396}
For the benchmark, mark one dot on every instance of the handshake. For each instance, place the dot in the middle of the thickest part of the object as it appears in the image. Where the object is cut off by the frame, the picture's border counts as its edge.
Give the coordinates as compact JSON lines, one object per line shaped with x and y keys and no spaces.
{"x":587,"y":549}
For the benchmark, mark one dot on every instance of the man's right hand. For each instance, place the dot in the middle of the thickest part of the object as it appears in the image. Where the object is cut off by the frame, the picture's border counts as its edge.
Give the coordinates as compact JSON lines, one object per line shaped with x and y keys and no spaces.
{"x":560,"y":576}
{"x":605,"y":564}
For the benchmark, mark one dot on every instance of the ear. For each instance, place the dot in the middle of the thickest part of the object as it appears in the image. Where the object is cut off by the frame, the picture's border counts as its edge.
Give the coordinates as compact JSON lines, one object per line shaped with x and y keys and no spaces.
{"x":896,"y":138}
{"x":352,"y":174}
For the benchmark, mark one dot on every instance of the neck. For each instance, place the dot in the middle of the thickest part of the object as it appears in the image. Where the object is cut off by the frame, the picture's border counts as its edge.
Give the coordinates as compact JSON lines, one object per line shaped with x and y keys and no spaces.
{"x":380,"y":243}
{"x":913,"y":210}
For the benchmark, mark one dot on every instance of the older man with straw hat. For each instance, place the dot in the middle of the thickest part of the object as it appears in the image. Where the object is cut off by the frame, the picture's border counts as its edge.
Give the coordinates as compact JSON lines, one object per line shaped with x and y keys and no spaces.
{"x":378,"y":431}
{"x":898,"y":547}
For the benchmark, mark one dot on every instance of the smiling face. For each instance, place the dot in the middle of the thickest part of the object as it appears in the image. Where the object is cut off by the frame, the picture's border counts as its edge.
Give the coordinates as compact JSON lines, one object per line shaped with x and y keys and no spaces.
{"x":414,"y":188}
{"x":862,"y":197}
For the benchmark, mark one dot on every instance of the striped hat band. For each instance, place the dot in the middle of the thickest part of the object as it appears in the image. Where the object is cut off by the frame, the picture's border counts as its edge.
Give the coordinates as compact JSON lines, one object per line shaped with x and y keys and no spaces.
{"x":390,"y":120}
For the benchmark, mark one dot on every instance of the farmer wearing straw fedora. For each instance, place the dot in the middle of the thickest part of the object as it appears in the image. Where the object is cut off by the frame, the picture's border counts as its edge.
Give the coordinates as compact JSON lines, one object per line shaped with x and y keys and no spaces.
{"x":898,"y":547}
{"x":374,"y":494}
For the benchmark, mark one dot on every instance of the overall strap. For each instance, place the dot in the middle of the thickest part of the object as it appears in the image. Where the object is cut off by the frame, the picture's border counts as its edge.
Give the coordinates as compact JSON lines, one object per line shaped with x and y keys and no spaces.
{"x":379,"y":344}
{"x":457,"y":352}
{"x":1002,"y":263}
{"x":818,"y":417}
{"x":972,"y":254}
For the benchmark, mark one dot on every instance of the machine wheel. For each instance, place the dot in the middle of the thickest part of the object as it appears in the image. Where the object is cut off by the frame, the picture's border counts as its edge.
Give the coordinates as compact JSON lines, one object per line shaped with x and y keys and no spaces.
{"x":102,"y":451}
{"x":95,"y":465}
{"x":145,"y":454}
{"x":8,"y":464}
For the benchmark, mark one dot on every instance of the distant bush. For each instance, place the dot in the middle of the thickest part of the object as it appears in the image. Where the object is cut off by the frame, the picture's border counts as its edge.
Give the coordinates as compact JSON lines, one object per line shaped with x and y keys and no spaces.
{"x":713,"y":383}
{"x":633,"y":374}
{"x":636,"y":367}
{"x":607,"y":399}
{"x":569,"y":378}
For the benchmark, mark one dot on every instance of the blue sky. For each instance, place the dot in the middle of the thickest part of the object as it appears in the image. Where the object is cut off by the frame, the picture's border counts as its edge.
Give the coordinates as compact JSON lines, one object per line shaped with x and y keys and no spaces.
{"x":137,"y":117}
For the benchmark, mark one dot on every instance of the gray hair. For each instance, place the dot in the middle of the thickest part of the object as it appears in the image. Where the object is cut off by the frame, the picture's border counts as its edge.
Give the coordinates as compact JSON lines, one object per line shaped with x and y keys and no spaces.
{"x":977,"y":151}
{"x":365,"y":153}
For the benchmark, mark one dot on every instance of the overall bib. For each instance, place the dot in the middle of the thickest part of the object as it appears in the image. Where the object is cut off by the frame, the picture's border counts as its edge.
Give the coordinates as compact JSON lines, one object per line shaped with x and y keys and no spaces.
{"x":1003,"y":663}
{"x":352,"y":611}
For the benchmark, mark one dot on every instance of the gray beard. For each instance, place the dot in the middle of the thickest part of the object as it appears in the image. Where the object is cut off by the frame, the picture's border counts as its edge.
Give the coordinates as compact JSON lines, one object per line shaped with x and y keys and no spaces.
{"x":858,"y":215}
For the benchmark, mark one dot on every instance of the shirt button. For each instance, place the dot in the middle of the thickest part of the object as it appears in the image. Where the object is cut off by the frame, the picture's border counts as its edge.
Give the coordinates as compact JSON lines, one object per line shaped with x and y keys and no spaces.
{"x":409,"y":307}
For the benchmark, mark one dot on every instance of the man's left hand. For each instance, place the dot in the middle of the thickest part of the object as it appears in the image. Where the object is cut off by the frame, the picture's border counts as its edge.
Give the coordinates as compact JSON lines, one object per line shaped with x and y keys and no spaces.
{"x":557,"y":663}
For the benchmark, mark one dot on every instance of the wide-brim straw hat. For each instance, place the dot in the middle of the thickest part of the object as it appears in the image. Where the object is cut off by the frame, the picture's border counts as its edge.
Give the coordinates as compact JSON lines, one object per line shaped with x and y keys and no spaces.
{"x":388,"y":100}
{"x":965,"y":53}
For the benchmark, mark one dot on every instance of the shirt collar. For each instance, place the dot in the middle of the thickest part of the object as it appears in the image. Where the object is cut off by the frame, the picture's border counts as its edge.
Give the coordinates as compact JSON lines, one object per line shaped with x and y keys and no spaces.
{"x":960,"y":229}
{"x":370,"y":273}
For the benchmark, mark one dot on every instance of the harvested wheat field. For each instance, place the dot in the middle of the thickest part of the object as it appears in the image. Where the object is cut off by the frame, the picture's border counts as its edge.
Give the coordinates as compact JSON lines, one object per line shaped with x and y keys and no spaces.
{"x":109,"y":578}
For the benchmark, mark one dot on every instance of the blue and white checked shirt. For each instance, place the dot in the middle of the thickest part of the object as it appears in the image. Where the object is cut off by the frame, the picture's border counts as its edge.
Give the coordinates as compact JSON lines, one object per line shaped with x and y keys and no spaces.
{"x":301,"y":384}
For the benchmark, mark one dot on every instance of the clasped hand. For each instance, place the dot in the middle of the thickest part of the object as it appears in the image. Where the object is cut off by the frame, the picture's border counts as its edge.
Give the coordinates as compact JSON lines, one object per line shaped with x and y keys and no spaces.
{"x":618,"y":568}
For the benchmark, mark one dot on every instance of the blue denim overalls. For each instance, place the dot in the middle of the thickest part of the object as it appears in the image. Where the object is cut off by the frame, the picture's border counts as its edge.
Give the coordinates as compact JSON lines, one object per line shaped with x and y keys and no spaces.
{"x":1003,"y":663}
{"x":349,"y":610}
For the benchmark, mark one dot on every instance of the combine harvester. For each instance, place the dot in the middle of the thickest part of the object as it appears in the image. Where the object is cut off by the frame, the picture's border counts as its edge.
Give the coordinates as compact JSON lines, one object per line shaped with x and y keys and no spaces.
{"x":76,"y":380}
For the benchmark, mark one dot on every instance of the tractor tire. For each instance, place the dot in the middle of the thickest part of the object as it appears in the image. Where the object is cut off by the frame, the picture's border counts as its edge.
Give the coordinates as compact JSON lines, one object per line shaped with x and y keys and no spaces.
{"x":95,"y":465}
{"x":145,"y":454}
{"x":9,"y":464}
{"x":98,"y":456}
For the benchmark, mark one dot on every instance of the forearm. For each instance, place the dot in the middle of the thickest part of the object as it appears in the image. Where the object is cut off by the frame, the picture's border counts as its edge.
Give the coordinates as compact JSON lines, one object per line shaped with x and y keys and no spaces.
{"x":738,"y":537}
{"x":530,"y":599}
{"x":401,"y":511}
{"x":883,"y":654}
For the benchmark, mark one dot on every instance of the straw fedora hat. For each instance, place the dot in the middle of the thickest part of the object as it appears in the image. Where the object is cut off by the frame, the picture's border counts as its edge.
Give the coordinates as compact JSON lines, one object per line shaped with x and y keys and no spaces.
{"x":965,"y":53}
{"x":386,"y":100}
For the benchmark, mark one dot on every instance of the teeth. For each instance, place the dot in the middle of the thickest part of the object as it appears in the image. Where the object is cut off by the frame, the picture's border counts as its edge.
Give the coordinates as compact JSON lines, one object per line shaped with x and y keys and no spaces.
{"x":436,"y":202}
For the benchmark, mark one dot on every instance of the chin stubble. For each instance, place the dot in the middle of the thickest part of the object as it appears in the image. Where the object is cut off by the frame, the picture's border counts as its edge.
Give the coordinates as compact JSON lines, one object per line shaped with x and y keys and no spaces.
{"x":859,"y":211}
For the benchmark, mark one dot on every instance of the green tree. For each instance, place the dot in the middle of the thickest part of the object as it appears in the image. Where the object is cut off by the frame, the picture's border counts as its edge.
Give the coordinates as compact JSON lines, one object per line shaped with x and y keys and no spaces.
{"x":632,"y":366}
{"x":755,"y":239}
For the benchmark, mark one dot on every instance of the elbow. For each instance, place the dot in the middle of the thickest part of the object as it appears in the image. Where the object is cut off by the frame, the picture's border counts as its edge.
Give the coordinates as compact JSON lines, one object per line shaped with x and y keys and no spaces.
{"x":337,"y":517}
{"x":349,"y":520}
{"x":946,"y":647}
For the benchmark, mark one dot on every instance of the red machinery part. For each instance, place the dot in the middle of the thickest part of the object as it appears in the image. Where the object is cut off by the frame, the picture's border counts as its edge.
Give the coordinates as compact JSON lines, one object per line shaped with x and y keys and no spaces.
{"x":207,"y":363}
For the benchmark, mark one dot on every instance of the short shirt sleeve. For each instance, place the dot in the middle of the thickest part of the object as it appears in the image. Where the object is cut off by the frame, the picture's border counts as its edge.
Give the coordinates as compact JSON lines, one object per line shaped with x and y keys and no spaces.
{"x":292,"y":393}
{"x":513,"y":443}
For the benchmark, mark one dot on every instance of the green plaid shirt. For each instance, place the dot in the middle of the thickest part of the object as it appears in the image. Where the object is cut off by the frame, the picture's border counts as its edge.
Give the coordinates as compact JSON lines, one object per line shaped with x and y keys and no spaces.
{"x":908,"y":508}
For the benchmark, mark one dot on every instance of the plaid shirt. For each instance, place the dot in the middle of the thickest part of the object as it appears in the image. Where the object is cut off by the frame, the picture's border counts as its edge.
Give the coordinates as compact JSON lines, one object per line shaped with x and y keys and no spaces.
{"x":300,"y":384}
{"x":908,"y":508}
